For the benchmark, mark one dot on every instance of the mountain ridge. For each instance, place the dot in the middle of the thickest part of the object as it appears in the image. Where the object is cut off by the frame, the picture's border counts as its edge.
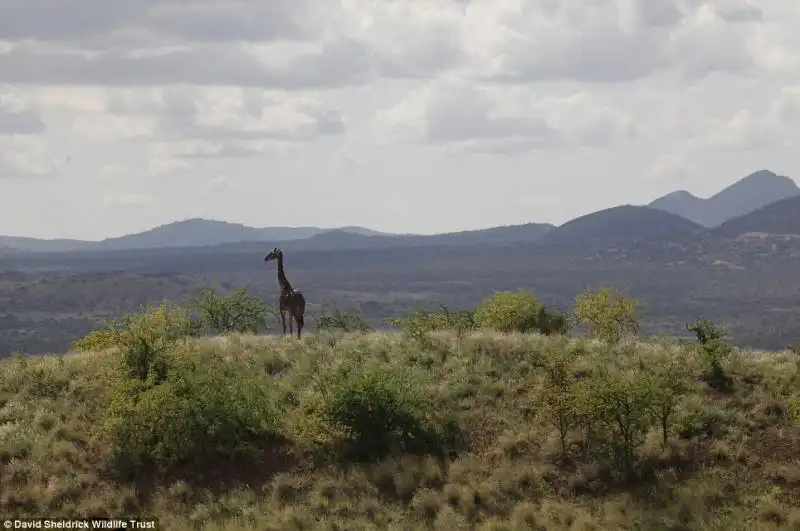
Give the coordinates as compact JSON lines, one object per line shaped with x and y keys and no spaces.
{"x":746,"y":195}
{"x":610,"y":226}
{"x":619,"y":225}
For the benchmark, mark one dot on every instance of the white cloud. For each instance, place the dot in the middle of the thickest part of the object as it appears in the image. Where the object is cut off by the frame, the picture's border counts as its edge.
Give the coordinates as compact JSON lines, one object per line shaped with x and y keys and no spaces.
{"x":16,"y":118}
{"x":402,"y":115}
{"x":23,"y":156}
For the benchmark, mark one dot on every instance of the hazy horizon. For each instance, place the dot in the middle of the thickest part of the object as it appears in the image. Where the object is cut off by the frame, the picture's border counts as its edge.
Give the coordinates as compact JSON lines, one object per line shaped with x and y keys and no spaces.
{"x":423,"y":233}
{"x":398,"y":116}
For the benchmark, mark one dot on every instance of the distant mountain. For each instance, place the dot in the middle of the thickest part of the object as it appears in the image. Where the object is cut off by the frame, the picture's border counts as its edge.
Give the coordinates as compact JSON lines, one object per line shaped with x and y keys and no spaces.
{"x":510,"y":234}
{"x":618,"y":226}
{"x":203,"y":232}
{"x":742,"y":197}
{"x":34,"y":244}
{"x":195,"y":232}
{"x":778,"y":218}
{"x":198,"y":232}
{"x":341,"y":239}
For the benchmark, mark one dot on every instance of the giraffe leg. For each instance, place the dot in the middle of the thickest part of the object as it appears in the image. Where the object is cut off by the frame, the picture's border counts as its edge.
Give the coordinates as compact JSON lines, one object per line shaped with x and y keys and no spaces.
{"x":299,"y":324}
{"x":283,"y":321}
{"x":291,"y":324}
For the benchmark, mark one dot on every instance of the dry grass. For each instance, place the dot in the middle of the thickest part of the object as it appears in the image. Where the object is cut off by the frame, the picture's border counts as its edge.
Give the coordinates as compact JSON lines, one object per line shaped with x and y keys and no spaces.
{"x":732,"y":461}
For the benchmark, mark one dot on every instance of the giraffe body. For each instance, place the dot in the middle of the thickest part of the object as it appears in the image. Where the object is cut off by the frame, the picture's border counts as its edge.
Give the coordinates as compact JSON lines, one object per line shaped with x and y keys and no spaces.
{"x":291,"y":302}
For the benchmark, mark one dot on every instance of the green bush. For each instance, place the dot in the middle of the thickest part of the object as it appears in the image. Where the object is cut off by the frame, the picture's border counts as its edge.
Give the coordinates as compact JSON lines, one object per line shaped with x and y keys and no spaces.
{"x":607,"y":316}
{"x":625,"y":403}
{"x":198,"y":414}
{"x":98,"y":340}
{"x":236,"y":312}
{"x":146,"y":339}
{"x":669,"y":383}
{"x":332,"y":318}
{"x":143,"y":338}
{"x":794,"y":409}
{"x":157,"y":324}
{"x":518,"y":311}
{"x":713,"y":350}
{"x":379,"y":415}
{"x":418,"y":323}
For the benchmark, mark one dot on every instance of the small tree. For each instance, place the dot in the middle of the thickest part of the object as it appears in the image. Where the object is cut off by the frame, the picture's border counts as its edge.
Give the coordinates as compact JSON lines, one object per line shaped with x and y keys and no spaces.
{"x":234,"y":312}
{"x":713,"y":349}
{"x":333,"y":318}
{"x":518,"y":311}
{"x":557,"y":400}
{"x":607,"y":315}
{"x":625,"y":400}
{"x":668,"y":384}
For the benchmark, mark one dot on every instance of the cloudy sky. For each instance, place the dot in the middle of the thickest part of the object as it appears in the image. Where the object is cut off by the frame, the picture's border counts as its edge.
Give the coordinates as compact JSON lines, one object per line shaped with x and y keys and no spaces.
{"x":399,"y":115}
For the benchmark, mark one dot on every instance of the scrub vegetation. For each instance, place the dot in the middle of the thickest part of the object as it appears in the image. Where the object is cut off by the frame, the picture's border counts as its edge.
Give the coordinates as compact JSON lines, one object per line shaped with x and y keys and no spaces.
{"x":505,"y":417}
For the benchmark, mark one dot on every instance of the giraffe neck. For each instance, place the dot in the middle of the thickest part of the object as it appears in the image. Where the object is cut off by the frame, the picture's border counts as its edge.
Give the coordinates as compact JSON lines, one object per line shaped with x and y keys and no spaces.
{"x":282,"y":280}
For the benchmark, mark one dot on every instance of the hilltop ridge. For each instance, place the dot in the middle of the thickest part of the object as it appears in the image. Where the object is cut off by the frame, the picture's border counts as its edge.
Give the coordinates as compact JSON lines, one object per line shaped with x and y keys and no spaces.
{"x":749,"y":193}
{"x":496,"y":461}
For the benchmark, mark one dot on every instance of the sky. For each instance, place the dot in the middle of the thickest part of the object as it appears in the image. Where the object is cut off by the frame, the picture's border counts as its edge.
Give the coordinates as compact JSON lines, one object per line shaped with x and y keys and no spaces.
{"x":398,"y":115}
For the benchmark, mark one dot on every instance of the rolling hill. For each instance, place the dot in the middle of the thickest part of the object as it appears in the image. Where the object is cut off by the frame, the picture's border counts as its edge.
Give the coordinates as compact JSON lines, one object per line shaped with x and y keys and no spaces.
{"x":198,"y":232}
{"x":742,"y":197}
{"x":506,"y":235}
{"x":195,"y":232}
{"x":229,"y":236}
{"x":673,"y":214}
{"x":778,"y":218}
{"x":618,"y":226}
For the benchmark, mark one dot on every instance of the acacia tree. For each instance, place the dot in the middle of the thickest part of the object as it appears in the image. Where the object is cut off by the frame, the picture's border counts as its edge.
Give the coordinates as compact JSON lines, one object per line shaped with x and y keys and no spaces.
{"x":231,"y":313}
{"x":607,"y":315}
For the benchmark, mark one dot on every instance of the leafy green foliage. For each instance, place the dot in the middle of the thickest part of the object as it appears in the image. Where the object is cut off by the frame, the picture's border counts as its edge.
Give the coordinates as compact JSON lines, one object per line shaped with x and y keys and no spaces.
{"x":143,"y":338}
{"x":607,"y":315}
{"x":380,"y":414}
{"x":611,"y":406}
{"x":625,"y":401}
{"x":668,"y":381}
{"x":197,"y":414}
{"x":518,"y":311}
{"x":794,"y":409}
{"x":418,"y":323}
{"x":559,"y":401}
{"x":713,"y":349}
{"x":236,"y":312}
{"x":332,"y":318}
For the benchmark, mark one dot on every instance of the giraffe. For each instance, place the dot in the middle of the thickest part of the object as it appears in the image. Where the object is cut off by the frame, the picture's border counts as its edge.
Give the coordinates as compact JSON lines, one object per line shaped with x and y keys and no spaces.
{"x":291,"y":301}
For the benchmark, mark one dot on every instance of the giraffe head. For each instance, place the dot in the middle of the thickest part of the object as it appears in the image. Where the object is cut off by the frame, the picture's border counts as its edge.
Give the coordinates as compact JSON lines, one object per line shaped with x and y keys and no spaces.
{"x":274,"y":255}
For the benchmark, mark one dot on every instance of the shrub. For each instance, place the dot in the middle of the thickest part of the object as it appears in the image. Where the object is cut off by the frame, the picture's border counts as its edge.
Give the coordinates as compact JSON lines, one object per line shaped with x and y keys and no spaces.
{"x":462,"y":321}
{"x":624,"y":401}
{"x":668,"y":385}
{"x":143,"y":338}
{"x":379,"y":415}
{"x":518,"y":311}
{"x":98,"y":340}
{"x":607,"y":315}
{"x":236,"y":312}
{"x":558,"y":401}
{"x":333,"y":318}
{"x":713,"y":350}
{"x":420,"y":322}
{"x":794,"y":409}
{"x":198,"y":414}
{"x":162,"y":323}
